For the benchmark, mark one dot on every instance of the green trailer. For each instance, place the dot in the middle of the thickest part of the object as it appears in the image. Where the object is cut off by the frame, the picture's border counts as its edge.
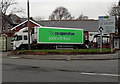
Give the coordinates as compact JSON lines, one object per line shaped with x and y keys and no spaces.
{"x":53,"y":35}
{"x":58,"y":38}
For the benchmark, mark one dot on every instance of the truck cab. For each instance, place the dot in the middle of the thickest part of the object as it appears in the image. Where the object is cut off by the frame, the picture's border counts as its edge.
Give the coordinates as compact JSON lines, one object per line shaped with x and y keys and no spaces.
{"x":20,"y":40}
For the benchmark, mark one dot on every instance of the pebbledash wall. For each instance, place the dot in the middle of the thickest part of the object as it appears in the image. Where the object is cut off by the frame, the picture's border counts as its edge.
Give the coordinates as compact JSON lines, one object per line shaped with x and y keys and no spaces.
{"x":5,"y":43}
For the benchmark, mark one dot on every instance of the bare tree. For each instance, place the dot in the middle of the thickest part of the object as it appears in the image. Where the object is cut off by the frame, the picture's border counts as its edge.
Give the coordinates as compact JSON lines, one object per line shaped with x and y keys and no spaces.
{"x":115,"y":11}
{"x":60,"y":13}
{"x":82,"y":17}
{"x":5,"y":5}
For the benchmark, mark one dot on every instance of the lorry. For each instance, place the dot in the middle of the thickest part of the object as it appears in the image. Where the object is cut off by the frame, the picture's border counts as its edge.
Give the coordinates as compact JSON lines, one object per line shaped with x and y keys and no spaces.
{"x":48,"y":38}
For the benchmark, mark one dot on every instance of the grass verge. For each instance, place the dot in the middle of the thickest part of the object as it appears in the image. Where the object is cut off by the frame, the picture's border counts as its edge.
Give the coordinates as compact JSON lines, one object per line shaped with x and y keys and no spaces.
{"x":62,"y":52}
{"x":69,"y":50}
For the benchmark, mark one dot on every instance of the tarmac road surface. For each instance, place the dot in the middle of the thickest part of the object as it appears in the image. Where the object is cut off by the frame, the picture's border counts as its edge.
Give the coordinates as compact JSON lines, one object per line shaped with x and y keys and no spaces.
{"x":31,"y":70}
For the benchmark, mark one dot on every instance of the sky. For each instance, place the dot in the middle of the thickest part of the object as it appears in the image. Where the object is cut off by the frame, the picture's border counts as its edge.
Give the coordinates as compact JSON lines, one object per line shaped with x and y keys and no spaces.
{"x":90,"y":8}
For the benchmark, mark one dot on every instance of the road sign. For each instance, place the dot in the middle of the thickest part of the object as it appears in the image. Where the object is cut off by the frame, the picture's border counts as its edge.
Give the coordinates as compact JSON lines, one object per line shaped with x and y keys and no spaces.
{"x":101,"y":29}
{"x":107,"y":23}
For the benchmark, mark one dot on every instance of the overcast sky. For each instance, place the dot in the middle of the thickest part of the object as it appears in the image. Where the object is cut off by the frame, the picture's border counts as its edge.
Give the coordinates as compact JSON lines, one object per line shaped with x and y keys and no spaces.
{"x":90,"y":8}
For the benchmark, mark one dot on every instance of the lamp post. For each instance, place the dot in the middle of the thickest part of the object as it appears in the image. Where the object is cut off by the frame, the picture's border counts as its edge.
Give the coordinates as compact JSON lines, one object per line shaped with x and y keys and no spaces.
{"x":29,"y":47}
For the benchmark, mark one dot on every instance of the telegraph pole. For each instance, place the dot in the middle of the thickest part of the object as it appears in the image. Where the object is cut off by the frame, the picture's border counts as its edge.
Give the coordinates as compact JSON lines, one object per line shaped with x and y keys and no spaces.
{"x":29,"y":47}
{"x":101,"y":30}
{"x":2,"y":17}
{"x":118,"y":18}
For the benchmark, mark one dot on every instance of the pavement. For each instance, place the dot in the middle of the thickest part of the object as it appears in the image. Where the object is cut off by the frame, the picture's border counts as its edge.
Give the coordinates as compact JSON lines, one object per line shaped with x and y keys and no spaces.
{"x":113,"y":56}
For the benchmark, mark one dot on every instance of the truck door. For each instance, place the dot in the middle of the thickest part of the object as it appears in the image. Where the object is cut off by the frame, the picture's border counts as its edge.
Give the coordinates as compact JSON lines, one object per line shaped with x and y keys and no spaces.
{"x":18,"y":41}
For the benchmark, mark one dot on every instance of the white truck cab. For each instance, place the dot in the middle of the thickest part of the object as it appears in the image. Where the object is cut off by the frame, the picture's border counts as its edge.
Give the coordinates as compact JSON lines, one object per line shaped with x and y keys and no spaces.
{"x":20,"y":39}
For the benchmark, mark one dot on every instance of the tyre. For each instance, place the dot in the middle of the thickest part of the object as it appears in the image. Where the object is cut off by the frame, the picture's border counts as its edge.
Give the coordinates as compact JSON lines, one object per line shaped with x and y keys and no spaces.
{"x":24,"y":47}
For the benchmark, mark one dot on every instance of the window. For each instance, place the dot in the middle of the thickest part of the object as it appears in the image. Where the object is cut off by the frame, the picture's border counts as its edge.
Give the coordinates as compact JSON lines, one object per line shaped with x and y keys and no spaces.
{"x":19,"y":38}
{"x":14,"y":37}
{"x":25,"y":37}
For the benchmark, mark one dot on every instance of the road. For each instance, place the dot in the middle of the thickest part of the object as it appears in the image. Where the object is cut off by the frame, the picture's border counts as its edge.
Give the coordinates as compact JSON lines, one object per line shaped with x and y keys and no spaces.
{"x":30,"y":70}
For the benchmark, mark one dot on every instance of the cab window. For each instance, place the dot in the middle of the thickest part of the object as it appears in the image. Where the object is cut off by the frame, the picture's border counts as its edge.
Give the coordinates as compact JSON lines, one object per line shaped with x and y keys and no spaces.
{"x":19,"y":38}
{"x":25,"y":37}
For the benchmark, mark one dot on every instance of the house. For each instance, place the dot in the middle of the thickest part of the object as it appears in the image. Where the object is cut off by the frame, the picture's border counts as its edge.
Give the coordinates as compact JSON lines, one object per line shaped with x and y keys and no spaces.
{"x":23,"y":25}
{"x":9,"y":21}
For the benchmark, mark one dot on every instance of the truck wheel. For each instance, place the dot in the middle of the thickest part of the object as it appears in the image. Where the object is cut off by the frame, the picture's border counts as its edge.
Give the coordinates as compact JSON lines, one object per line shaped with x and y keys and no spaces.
{"x":23,"y":48}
